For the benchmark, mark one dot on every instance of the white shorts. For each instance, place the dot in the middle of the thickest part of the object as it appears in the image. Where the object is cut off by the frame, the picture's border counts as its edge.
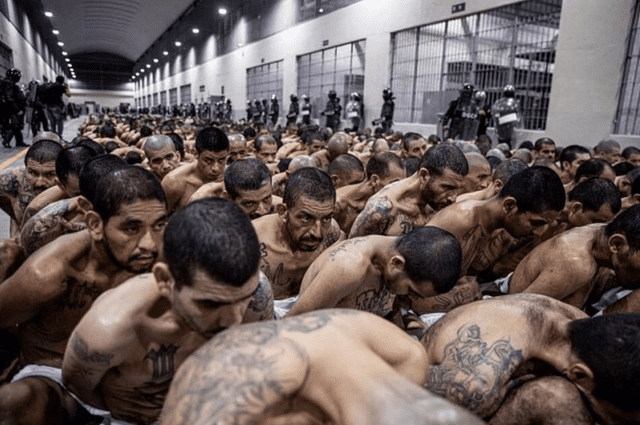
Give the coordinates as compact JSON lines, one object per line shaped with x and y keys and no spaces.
{"x":55,"y":374}
{"x":282,"y":307}
{"x":431,"y":318}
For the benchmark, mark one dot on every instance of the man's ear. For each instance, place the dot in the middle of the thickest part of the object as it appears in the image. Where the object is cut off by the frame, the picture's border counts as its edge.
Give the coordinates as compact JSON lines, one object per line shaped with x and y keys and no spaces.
{"x":635,"y":198}
{"x":164,"y":278}
{"x":618,"y":244}
{"x":497,"y":186}
{"x":225,"y":195}
{"x":395,"y":265}
{"x":424,"y":175}
{"x":334,"y":179}
{"x":281,"y":210}
{"x":510,"y":205}
{"x":95,"y":225}
{"x":374,"y":180}
{"x":575,"y":207}
{"x":84,"y":204}
{"x":565,"y":165}
{"x":582,"y":376}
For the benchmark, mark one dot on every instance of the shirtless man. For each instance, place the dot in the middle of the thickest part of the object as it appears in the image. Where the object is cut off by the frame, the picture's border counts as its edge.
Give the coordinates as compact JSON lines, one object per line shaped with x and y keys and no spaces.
{"x":338,"y":145}
{"x":571,"y":158}
{"x":331,"y":366}
{"x":500,"y":175}
{"x":480,"y":353}
{"x":530,"y":200}
{"x":566,"y":267}
{"x":266,"y":148}
{"x":161,"y":155}
{"x":544,"y":148}
{"x":413,"y":145}
{"x":345,"y":170}
{"x":68,"y":165}
{"x":212,"y":146}
{"x":608,"y":150}
{"x":367,"y":273}
{"x":124,"y":352}
{"x":407,"y":204}
{"x":56,"y":286}
{"x":237,"y":147}
{"x":19,"y":186}
{"x":479,"y":176}
{"x":382,"y":169}
{"x":301,"y":229}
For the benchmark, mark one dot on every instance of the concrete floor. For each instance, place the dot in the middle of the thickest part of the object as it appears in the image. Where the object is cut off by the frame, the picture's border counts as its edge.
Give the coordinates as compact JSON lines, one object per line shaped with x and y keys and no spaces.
{"x":14,"y":157}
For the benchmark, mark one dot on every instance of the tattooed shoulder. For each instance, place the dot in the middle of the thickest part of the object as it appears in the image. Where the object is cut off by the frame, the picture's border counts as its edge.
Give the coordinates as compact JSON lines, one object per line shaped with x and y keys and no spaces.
{"x":374,"y":219}
{"x":9,"y":184}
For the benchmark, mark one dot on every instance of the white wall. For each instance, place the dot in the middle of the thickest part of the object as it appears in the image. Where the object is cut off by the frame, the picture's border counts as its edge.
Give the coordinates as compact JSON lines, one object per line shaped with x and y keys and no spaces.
{"x":589,"y":58}
{"x":104,"y":98}
{"x":25,"y":56}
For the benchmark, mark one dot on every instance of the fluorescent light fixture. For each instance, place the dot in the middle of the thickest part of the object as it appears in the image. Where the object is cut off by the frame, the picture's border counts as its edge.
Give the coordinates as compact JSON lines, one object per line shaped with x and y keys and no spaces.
{"x":165,"y":53}
{"x":67,"y":60}
{"x":69,"y":65}
{"x":155,"y":60}
{"x":222,"y":11}
{"x":142,"y":70}
{"x":56,"y":32}
{"x":60,"y":43}
{"x":148,"y":66}
{"x":48,"y":14}
{"x":137,"y":73}
{"x":178,"y":44}
{"x":195,"y":30}
{"x":64,"y":53}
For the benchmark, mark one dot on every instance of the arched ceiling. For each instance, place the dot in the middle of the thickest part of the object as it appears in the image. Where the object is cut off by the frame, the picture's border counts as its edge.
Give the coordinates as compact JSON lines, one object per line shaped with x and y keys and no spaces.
{"x":122,"y":27}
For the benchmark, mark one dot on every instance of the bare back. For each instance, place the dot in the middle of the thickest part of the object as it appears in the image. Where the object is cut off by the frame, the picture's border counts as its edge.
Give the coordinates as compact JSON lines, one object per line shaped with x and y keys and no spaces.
{"x":180,"y":184}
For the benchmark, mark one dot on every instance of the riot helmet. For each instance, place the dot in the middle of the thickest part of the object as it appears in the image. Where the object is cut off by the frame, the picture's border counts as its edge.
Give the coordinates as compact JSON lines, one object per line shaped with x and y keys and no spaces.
{"x":293,"y":97}
{"x":14,"y":75}
{"x":509,"y":91}
{"x":305,"y":97}
{"x":332,"y":94}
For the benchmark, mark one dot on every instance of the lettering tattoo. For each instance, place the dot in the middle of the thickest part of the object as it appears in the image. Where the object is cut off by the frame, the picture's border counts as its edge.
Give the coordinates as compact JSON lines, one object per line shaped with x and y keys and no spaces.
{"x":473,"y":373}
{"x":79,"y":294}
{"x":459,"y":295}
{"x":81,"y":349}
{"x":375,"y":219}
{"x":237,"y":377}
{"x":344,"y":247}
{"x":262,"y":299}
{"x":378,"y":302}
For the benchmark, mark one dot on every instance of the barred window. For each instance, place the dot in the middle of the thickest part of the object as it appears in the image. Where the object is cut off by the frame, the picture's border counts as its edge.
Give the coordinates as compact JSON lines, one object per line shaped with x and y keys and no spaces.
{"x":155,"y":99}
{"x":173,"y":96}
{"x":185,"y":94}
{"x":339,"y":68}
{"x":628,"y":111}
{"x":263,"y":81}
{"x":148,"y":105}
{"x":513,"y":44}
{"x":163,"y":98}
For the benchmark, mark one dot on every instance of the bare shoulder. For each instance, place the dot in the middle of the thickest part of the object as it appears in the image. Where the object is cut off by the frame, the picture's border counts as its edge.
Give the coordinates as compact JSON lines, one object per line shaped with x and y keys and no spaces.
{"x":211,"y":189}
{"x":376,"y":216}
{"x":56,"y":258}
{"x":265,"y":225}
{"x":178,"y":175}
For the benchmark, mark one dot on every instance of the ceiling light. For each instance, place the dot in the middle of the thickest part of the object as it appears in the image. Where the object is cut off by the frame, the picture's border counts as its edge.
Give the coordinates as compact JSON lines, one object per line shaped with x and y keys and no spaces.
{"x":137,"y":73}
{"x":56,"y":32}
{"x":222,"y":11}
{"x":60,"y":43}
{"x":148,"y":66}
{"x":64,"y":53}
{"x":69,"y":65}
{"x":67,"y":60}
{"x":142,"y":70}
{"x":48,"y":14}
{"x":320,"y":10}
{"x":195,"y":30}
{"x":155,"y":60}
{"x":165,"y":53}
{"x":178,"y":44}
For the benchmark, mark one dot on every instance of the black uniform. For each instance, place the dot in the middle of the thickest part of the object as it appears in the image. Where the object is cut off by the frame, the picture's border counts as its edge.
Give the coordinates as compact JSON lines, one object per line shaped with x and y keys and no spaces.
{"x":12,"y":104}
{"x":294,"y":109}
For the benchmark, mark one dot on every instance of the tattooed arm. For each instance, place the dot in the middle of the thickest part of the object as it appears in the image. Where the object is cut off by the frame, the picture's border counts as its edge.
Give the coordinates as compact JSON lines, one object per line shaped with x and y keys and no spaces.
{"x":83,"y":368}
{"x":9,"y":185}
{"x":238,"y":377}
{"x":57,"y":219}
{"x":466,"y":291}
{"x":261,"y":305}
{"x":375,"y":219}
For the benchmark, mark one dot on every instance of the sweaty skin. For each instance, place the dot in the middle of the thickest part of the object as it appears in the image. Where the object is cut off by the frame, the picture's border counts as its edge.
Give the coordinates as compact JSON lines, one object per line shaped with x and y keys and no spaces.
{"x":332,"y":366}
{"x":285,"y":263}
{"x":478,"y":352}
{"x":566,"y":266}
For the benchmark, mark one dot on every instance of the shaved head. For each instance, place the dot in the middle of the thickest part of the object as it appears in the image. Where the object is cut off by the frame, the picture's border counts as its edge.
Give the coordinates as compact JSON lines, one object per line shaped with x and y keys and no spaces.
{"x":301,"y":162}
{"x":157,"y":142}
{"x":479,"y":175}
{"x":338,"y":144}
{"x":161,"y":154}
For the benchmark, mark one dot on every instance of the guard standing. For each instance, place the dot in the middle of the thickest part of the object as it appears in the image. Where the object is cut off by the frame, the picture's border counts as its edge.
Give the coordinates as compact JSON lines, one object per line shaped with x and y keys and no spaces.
{"x":354,"y":111}
{"x":294,"y":109}
{"x":388,"y":107}
{"x":461,"y":119}
{"x":12,"y":106}
{"x":274,"y":110}
{"x":506,"y":115}
{"x":330,"y":111}
{"x":305,"y":110}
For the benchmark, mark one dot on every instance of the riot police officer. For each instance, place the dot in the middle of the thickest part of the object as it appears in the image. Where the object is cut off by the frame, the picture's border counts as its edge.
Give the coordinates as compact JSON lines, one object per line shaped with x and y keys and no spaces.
{"x":331,"y":111}
{"x":305,"y":110}
{"x":461,"y":119}
{"x":227,"y":111}
{"x":388,"y":107}
{"x":294,"y":109}
{"x":12,"y":103}
{"x":249,"y":111}
{"x":274,"y":110}
{"x":354,"y":110}
{"x":506,"y":115}
{"x":256,"y":114}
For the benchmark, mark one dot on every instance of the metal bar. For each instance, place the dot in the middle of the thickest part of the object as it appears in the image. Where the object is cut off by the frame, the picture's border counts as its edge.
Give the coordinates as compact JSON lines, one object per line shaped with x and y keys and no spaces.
{"x":415,"y":76}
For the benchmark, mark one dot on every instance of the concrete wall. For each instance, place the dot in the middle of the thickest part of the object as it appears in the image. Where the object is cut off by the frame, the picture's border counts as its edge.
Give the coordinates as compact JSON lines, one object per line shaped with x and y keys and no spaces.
{"x":588,"y":68}
{"x":30,"y":54}
{"x":104,"y":98}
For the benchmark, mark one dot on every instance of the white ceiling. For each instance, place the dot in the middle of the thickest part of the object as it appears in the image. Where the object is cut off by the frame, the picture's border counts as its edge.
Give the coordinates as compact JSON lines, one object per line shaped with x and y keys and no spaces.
{"x":123,"y":27}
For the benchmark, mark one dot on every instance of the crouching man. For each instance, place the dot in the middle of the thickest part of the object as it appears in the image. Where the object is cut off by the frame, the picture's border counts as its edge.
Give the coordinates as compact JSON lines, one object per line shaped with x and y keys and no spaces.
{"x":124,"y":352}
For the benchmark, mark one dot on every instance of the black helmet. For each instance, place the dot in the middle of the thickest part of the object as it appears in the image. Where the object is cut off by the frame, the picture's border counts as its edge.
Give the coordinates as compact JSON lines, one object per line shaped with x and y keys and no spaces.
{"x":509,"y":91}
{"x":332,"y":94}
{"x":274,"y":98}
{"x":228,"y":100}
{"x":14,"y":75}
{"x":468,"y":88}
{"x":305,"y":97}
{"x":387,"y":93}
{"x":293,"y":97}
